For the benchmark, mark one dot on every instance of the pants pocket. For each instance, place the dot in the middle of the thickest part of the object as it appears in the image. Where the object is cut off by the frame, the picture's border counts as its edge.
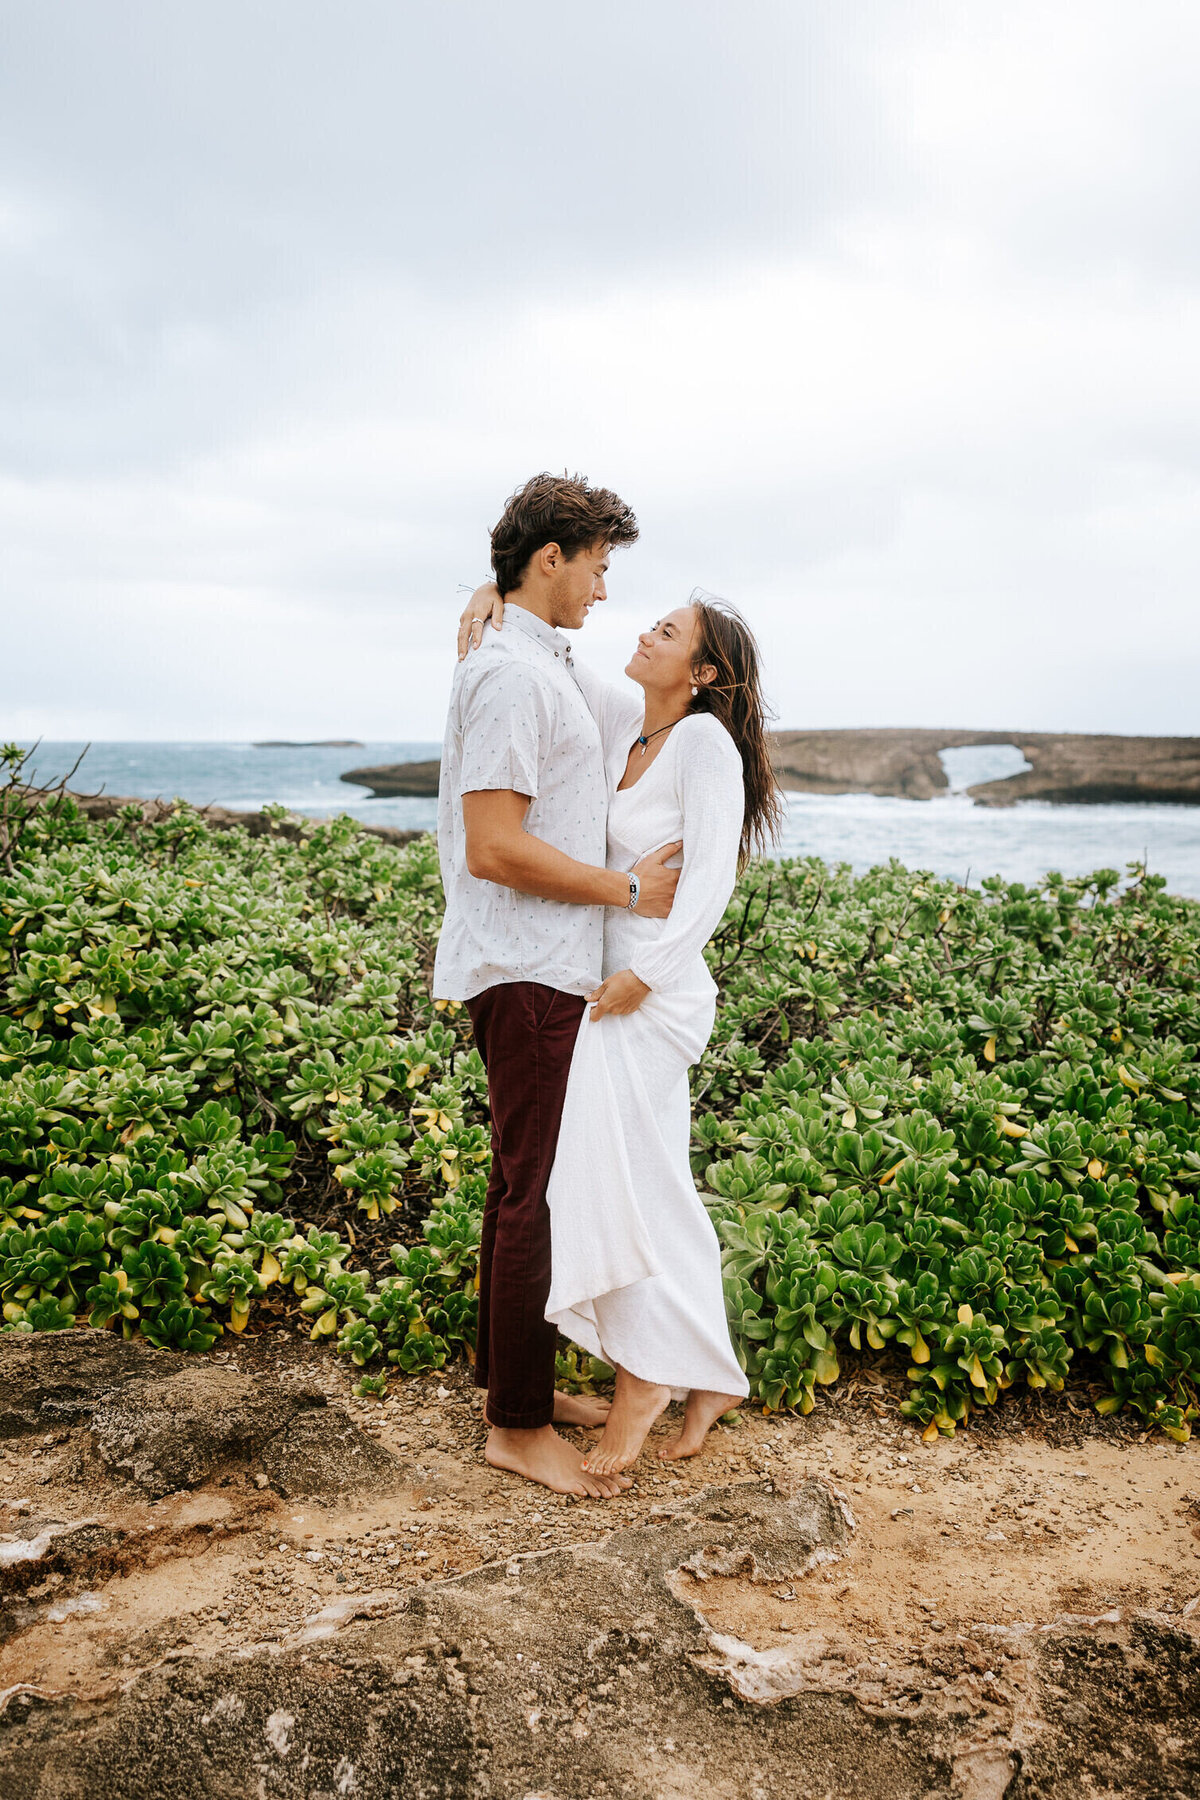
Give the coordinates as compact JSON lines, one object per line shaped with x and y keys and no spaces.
{"x":542,"y":1001}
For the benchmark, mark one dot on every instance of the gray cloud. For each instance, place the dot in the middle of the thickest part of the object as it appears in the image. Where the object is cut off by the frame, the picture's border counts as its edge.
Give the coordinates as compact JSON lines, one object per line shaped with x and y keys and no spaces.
{"x":884,"y":319}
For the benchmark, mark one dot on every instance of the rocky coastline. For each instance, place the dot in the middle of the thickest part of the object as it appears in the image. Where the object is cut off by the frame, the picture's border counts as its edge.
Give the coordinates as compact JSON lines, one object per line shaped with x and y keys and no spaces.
{"x":1066,"y":766}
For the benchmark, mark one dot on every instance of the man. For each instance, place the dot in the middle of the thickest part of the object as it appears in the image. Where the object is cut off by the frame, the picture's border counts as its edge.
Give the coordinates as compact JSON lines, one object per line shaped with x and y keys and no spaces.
{"x":522,"y":840}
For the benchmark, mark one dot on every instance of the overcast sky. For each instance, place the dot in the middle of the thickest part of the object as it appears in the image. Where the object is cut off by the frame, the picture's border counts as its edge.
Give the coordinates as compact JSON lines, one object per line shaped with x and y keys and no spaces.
{"x":883,"y":316}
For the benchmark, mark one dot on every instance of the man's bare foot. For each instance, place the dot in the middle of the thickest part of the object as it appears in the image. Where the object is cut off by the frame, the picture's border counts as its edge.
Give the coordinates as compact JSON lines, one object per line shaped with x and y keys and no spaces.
{"x":635,"y":1407}
{"x":700,"y":1415}
{"x":580,"y":1409}
{"x":545,"y":1457}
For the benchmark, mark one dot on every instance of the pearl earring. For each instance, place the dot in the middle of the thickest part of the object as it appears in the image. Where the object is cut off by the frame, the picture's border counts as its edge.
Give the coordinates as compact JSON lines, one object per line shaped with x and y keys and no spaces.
{"x":695,"y":691}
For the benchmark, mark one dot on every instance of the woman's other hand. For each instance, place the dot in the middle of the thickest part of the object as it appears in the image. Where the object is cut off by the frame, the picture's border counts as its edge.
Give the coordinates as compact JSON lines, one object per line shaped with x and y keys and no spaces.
{"x":485,"y":603}
{"x":621,"y":993}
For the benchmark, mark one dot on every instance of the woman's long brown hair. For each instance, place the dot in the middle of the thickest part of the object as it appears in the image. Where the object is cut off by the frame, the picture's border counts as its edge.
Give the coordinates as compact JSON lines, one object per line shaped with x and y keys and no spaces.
{"x":735,"y":698}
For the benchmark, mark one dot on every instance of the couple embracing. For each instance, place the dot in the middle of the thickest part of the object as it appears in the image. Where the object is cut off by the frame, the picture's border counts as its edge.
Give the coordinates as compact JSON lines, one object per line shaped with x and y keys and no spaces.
{"x":590,"y":837}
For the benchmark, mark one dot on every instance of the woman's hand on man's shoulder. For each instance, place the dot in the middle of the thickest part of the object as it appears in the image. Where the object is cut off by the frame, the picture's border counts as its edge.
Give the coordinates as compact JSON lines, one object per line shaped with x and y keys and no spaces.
{"x":485,"y":603}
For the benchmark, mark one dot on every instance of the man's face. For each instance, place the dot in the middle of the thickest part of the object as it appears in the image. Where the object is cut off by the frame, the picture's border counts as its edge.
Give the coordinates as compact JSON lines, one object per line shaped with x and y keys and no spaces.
{"x":577,"y":584}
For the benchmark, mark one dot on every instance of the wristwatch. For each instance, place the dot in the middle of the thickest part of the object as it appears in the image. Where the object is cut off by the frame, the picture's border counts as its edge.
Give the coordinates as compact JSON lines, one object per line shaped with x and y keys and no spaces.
{"x":635,"y":889}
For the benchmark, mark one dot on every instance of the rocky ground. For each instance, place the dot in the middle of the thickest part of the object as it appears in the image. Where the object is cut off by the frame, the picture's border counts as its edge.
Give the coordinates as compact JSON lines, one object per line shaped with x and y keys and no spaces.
{"x":225,"y":1575}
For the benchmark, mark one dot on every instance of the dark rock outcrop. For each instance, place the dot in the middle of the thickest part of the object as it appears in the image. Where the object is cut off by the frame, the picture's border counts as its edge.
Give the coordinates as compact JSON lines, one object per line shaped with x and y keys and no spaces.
{"x":325,"y":1453}
{"x":415,"y":780}
{"x":58,"y":1378}
{"x":160,"y":1436}
{"x":1070,"y":767}
{"x":1066,"y":766}
{"x":158,"y":1422}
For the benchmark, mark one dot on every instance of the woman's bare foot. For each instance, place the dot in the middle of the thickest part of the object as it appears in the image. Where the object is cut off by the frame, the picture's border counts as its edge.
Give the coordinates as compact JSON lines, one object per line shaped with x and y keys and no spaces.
{"x":545,"y":1457}
{"x":700,"y":1415}
{"x":580,"y":1409}
{"x":635,"y":1407}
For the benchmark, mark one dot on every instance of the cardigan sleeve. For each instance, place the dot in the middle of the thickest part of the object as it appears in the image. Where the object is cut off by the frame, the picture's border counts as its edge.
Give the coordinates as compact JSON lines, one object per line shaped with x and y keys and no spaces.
{"x":712,"y":801}
{"x":618,"y":711}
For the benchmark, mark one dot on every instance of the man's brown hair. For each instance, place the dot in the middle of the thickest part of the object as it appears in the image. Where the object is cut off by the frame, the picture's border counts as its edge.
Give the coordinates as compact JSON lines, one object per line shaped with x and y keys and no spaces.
{"x":556,"y":509}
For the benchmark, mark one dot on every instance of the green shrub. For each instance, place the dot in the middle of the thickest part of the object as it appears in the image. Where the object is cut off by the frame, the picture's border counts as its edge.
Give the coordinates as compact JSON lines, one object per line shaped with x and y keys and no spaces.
{"x":959,"y":1126}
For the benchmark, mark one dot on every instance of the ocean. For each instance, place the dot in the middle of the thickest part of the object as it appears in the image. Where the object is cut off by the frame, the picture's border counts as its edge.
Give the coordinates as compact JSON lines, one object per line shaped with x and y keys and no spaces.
{"x":949,"y":835}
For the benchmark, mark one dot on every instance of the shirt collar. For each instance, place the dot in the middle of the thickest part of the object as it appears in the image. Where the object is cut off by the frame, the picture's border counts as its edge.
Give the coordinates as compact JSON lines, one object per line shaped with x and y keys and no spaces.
{"x":534,"y":627}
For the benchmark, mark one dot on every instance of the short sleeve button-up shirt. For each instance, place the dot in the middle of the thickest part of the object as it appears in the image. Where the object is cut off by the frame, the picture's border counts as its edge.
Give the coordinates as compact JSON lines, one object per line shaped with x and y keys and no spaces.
{"x":518,"y":721}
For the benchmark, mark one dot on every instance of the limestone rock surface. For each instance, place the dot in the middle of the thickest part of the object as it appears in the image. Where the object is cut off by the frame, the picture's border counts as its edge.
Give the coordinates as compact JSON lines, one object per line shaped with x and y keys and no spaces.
{"x":158,"y":1422}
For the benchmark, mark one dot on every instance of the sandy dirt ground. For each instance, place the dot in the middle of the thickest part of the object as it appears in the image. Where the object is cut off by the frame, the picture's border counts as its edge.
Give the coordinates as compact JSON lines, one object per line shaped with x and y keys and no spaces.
{"x":962,"y":1552}
{"x":1018,"y":1520}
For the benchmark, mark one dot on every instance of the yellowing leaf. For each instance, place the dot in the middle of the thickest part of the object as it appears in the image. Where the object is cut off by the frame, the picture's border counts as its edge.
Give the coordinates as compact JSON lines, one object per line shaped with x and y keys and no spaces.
{"x":989,"y":1049}
{"x":965,"y":1315}
{"x":1095,"y":1168}
{"x":270,"y":1269}
{"x":929,"y":1435}
{"x":1010,"y":1128}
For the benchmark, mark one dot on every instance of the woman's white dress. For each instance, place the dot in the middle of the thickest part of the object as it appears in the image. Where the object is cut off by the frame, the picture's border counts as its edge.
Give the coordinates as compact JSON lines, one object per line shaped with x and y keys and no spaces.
{"x":636,"y":1269}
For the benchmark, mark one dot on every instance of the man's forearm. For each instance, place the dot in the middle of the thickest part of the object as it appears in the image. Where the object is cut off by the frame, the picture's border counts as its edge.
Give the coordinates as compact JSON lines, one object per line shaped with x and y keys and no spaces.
{"x":532,"y":866}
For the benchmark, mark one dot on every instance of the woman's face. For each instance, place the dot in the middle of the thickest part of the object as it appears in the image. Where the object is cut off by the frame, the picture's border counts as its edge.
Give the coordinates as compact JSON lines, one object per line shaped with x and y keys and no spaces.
{"x":663,"y":658}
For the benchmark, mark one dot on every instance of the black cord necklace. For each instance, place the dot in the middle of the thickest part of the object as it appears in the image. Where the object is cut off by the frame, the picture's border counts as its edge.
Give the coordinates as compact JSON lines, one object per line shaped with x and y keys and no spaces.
{"x":646,"y":736}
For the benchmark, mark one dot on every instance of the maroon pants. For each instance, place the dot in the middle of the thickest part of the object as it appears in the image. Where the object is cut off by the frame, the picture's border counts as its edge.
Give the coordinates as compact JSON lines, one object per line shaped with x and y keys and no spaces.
{"x":526,"y":1034}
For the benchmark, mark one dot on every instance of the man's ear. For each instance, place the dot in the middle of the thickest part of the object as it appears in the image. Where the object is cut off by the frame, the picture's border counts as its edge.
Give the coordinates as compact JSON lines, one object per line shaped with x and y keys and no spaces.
{"x":550,"y":558}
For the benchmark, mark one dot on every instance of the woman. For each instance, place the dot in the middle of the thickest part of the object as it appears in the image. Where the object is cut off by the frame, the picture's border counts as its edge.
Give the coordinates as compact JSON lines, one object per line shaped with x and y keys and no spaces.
{"x":636,"y":1272}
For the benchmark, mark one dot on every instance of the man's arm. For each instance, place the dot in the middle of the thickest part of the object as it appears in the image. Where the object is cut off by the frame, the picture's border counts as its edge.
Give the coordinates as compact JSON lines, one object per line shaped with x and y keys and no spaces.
{"x":500,"y":849}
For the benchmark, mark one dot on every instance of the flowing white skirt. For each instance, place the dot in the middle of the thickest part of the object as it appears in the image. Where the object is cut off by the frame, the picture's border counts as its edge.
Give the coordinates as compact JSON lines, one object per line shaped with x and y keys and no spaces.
{"x":636,"y":1266}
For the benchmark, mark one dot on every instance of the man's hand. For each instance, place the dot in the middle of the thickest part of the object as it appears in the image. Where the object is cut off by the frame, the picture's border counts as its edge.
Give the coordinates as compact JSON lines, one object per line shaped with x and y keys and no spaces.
{"x":485,"y":603}
{"x":657,"y":882}
{"x":621,"y":993}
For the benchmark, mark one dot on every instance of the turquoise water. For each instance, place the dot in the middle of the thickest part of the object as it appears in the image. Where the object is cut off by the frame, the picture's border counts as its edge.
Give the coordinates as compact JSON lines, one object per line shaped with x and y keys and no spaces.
{"x":949,"y":834}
